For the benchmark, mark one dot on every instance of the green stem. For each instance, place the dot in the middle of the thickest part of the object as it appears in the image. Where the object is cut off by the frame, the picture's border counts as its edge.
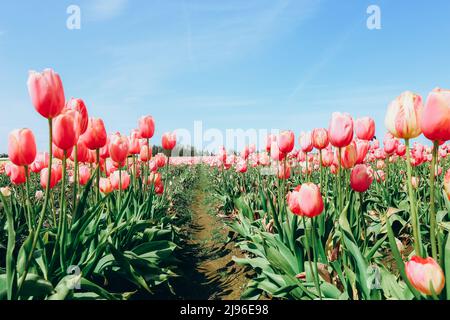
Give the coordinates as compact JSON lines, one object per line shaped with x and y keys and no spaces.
{"x":316,"y":273}
{"x":97,"y":154}
{"x":414,"y":215}
{"x":27,"y":197}
{"x":75,"y":180}
{"x":432,"y":208}
{"x":43,"y":211}
{"x":62,"y":214}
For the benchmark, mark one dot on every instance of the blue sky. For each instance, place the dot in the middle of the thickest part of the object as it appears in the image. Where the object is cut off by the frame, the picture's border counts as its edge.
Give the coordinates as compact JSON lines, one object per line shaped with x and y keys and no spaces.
{"x":259,"y":64}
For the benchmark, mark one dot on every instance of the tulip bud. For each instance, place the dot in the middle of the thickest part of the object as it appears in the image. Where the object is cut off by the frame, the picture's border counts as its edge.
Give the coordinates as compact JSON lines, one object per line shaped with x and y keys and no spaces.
{"x":6,"y":191}
{"x":21,"y":147}
{"x":361,"y":178}
{"x":435,"y":121}
{"x":169,"y":140}
{"x":285,"y":142}
{"x":403,"y":116}
{"x":340,"y":131}
{"x":365,"y":128}
{"x":46,"y":92}
{"x":425,"y":275}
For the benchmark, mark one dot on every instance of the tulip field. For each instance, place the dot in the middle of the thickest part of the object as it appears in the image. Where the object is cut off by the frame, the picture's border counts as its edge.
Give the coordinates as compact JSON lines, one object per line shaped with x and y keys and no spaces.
{"x":330,"y":214}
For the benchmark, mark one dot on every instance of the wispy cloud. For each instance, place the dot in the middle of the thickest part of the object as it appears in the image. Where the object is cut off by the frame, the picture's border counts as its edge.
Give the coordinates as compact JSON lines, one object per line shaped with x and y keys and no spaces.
{"x":100,"y":10}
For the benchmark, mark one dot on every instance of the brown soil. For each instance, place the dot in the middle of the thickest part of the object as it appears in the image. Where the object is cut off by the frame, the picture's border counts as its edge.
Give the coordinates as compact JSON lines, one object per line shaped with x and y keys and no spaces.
{"x":209,"y":273}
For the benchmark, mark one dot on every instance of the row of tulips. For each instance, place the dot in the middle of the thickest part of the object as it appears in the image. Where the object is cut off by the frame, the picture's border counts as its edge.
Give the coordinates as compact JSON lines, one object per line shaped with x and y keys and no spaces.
{"x":343,"y":217}
{"x":93,"y":209}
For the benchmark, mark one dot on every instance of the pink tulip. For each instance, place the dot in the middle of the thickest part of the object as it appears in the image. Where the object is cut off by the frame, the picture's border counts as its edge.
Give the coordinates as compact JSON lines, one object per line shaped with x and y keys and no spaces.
{"x":286,"y":142}
{"x":46,"y":92}
{"x":365,"y":128}
{"x":320,"y":138}
{"x":425,"y":275}
{"x":306,"y":201}
{"x":84,"y":175}
{"x":17,"y":174}
{"x":66,"y":129}
{"x":95,"y":136}
{"x":53,"y":179}
{"x":362,"y":147}
{"x":349,"y":156}
{"x":284,"y":172}
{"x":147,"y":127}
{"x":21,"y":147}
{"x":118,"y":147}
{"x":105,"y":186}
{"x":403,"y":116}
{"x":118,"y":178}
{"x":78,"y":106}
{"x":41,"y":162}
{"x":361,"y":178}
{"x":306,"y":143}
{"x":169,"y":140}
{"x":340,"y":131}
{"x":435,"y":122}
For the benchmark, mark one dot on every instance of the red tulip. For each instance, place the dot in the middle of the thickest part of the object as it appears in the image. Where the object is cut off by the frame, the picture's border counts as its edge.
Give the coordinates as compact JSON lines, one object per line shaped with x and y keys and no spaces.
{"x":390,"y":145}
{"x":66,"y":129}
{"x":306,"y":143}
{"x":21,"y":147}
{"x":327,"y":158}
{"x":123,"y":177}
{"x":320,"y":138}
{"x":425,"y":275}
{"x":118,"y":147}
{"x":160,"y":160}
{"x":241,"y":166}
{"x":435,"y":122}
{"x":95,"y":136}
{"x":105,"y":186}
{"x":365,"y":128}
{"x":84,"y":174}
{"x":401,"y":150}
{"x":78,"y":106}
{"x":284,"y":172}
{"x":306,"y":201}
{"x":361,"y":178}
{"x":169,"y":140}
{"x":135,"y":146}
{"x":41,"y":162}
{"x":403,"y":116}
{"x":147,"y":127}
{"x":348,"y":156}
{"x":46,"y":92}
{"x":145,"y":154}
{"x":53,"y":179}
{"x":245,"y":153}
{"x":340,"y":131}
{"x":17,"y":174}
{"x":362,"y":147}
{"x":159,"y":188}
{"x":286,"y":141}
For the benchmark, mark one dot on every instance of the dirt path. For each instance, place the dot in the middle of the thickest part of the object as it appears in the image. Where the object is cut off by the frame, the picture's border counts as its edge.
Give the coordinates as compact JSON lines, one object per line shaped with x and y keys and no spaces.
{"x":209,"y":272}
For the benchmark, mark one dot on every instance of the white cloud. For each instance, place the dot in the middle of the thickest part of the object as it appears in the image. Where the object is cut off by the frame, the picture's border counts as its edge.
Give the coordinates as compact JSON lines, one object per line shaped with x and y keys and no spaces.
{"x":100,"y":10}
